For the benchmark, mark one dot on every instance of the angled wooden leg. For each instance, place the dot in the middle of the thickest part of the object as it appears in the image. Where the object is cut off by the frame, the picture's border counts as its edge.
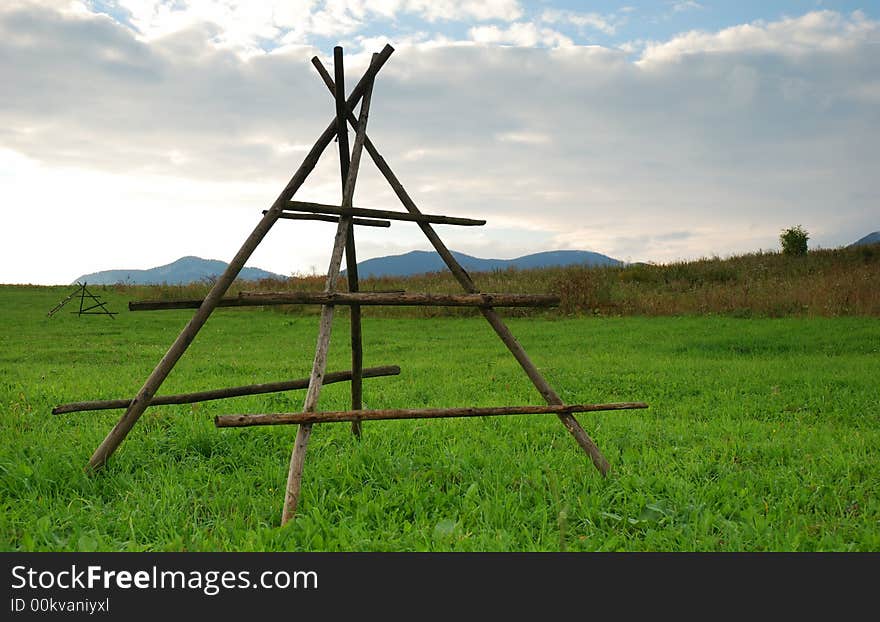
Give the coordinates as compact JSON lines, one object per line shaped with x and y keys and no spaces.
{"x":298,"y":454}
{"x":297,"y":457}
{"x":550,"y":396}
{"x":571,"y":424}
{"x":152,"y":384}
{"x":154,"y":381}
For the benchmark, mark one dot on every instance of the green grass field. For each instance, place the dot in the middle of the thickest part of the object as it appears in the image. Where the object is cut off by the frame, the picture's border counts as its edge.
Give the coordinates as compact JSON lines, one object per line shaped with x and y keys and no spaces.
{"x":762,"y":435}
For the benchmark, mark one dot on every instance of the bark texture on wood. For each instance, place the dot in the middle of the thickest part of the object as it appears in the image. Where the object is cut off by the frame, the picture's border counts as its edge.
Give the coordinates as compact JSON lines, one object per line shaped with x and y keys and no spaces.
{"x":364,"y":222}
{"x":323,"y":208}
{"x":241,"y":421}
{"x":192,"y":303}
{"x":297,"y":457}
{"x":351,"y":269}
{"x":216,"y":394}
{"x":257,"y":299}
{"x":483,"y":299}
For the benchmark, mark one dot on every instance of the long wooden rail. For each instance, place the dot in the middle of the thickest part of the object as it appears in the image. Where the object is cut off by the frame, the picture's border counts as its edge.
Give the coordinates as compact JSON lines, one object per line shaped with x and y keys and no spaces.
{"x":364,"y":222}
{"x":216,"y":394}
{"x":253,"y":299}
{"x":335,"y":210}
{"x":240,"y":421}
{"x":404,"y":299}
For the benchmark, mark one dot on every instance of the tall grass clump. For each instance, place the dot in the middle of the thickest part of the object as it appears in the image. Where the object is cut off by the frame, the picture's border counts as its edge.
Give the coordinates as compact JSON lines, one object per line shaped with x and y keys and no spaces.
{"x":828,"y":283}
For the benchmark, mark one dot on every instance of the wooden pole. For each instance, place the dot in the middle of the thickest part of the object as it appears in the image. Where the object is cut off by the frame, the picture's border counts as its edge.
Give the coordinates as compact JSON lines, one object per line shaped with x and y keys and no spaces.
{"x":357,"y":355}
{"x":189,"y":303}
{"x":184,"y":339}
{"x":364,"y":222}
{"x":216,"y":394}
{"x":102,"y":305}
{"x":82,"y":298}
{"x":323,"y":208}
{"x":341,"y":121}
{"x":297,"y":457}
{"x":394,"y":299}
{"x":483,"y":299}
{"x":241,"y":421}
{"x":543,"y":387}
{"x":62,"y":303}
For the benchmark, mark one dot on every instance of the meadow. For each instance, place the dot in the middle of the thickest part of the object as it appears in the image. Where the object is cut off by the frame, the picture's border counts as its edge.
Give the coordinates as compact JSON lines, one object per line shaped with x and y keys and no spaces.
{"x":761,"y":435}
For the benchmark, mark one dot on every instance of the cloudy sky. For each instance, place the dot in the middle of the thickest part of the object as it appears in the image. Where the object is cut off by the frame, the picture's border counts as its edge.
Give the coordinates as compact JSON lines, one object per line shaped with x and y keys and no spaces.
{"x":134,"y":132}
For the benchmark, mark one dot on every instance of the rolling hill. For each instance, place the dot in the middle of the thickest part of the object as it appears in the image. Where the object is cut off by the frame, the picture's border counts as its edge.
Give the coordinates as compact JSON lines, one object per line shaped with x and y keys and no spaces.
{"x":871,"y":238}
{"x":184,"y":270}
{"x":418,"y":262}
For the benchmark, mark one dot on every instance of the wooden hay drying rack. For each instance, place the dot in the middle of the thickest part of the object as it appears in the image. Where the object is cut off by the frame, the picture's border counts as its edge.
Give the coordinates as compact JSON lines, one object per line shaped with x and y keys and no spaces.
{"x":83,"y":293}
{"x":346,"y":216}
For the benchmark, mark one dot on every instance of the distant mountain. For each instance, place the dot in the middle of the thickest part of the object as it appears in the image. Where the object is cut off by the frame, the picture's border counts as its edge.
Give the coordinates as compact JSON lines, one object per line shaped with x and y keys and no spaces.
{"x":871,"y":238}
{"x":417,"y":262}
{"x":184,"y":270}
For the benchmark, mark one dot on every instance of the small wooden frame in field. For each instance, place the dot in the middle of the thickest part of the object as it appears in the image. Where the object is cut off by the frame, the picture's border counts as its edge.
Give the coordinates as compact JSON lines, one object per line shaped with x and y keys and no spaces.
{"x":345,"y":216}
{"x":96,"y":305}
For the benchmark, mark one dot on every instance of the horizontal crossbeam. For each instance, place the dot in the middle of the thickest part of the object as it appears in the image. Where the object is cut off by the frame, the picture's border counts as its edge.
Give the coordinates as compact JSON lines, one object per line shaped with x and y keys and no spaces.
{"x":216,"y":394}
{"x":364,"y":222}
{"x":257,"y":299}
{"x":102,"y":305}
{"x":402,"y":299}
{"x":239,"y":421}
{"x":189,"y":303}
{"x":320,"y":208}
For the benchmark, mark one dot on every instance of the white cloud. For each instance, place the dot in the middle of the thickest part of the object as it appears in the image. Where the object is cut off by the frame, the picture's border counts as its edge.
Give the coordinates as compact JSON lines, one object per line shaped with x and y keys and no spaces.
{"x":523,"y":34}
{"x":68,"y":7}
{"x":527,"y":138}
{"x":240,"y":26}
{"x":711,"y":142}
{"x":367,"y":45}
{"x":246,"y":27}
{"x":507,"y":10}
{"x":580,"y":20}
{"x":818,"y":31}
{"x":686,"y":5}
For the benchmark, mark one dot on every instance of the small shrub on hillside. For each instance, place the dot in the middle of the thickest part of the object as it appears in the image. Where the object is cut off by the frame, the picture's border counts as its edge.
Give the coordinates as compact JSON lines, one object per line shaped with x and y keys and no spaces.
{"x":794,"y":240}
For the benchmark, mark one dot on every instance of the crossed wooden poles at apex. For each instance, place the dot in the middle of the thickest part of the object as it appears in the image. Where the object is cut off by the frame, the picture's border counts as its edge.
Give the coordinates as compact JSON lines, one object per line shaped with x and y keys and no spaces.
{"x":346,"y":216}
